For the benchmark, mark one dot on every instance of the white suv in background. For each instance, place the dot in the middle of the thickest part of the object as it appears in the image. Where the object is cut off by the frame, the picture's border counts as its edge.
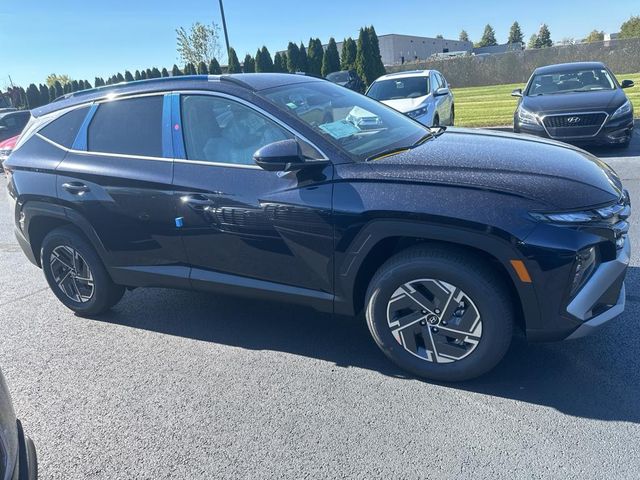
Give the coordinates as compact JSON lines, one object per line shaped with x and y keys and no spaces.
{"x":424,"y":95}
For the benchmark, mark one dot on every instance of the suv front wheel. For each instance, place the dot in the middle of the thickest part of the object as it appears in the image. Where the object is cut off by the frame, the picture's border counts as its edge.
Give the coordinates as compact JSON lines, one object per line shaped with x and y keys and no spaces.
{"x":440,"y":313}
{"x":76,"y":274}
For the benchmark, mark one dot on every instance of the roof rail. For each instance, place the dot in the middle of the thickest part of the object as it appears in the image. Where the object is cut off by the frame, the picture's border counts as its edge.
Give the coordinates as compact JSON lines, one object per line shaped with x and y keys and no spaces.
{"x":148,"y":81}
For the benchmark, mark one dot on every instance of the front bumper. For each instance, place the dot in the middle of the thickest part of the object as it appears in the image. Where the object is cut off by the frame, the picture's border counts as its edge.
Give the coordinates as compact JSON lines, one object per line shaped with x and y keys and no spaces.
{"x":614,"y":132}
{"x":593,"y":295}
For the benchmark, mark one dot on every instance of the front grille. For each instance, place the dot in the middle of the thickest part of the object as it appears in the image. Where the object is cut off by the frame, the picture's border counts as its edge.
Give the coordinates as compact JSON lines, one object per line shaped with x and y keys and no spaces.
{"x":574,"y":125}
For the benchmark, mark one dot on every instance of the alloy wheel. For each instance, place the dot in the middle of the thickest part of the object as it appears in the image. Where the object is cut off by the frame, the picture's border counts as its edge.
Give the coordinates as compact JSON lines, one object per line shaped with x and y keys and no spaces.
{"x":72,"y":274}
{"x":434,"y":320}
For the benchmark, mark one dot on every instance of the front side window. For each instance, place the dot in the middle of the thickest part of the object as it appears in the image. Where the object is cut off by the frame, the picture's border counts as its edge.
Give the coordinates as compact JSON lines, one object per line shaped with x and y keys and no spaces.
{"x":587,"y":80}
{"x":394,"y":89}
{"x":128,"y":127}
{"x":359,"y":125}
{"x":220,"y":130}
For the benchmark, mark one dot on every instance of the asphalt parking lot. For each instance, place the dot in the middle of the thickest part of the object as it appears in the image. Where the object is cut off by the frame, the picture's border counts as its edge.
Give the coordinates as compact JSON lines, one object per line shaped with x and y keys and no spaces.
{"x":187,"y":385}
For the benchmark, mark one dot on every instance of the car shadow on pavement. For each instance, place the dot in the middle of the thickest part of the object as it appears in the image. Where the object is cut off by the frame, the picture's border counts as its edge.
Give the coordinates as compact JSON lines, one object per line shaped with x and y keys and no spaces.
{"x":595,"y":377}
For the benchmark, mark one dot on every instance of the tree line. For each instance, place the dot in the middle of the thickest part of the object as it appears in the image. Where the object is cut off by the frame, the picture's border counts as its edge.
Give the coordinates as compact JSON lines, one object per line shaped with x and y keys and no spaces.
{"x":313,"y":58}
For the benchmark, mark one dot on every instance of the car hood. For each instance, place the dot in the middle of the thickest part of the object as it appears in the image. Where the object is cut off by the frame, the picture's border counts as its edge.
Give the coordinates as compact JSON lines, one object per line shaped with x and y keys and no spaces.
{"x":405,"y":105}
{"x":605,"y":100}
{"x":549,"y":172}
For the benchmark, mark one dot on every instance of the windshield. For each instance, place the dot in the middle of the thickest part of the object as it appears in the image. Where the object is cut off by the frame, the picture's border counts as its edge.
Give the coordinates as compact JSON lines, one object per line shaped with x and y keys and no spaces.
{"x":355,"y":123}
{"x":588,"y":80}
{"x":338,"y":77}
{"x":408,"y":87}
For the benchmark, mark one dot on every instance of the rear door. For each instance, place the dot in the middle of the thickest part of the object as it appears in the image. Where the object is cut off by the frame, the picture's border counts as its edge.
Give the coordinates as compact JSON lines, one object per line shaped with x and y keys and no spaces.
{"x":118,"y":176}
{"x":242,"y":225}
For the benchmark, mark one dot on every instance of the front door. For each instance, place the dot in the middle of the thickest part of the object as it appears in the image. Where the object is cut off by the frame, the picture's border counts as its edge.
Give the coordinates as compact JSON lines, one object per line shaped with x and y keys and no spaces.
{"x":242,"y":225}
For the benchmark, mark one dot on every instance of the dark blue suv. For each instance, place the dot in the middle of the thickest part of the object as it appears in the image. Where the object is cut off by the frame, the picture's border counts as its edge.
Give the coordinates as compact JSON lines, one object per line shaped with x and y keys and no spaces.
{"x":291,"y":188}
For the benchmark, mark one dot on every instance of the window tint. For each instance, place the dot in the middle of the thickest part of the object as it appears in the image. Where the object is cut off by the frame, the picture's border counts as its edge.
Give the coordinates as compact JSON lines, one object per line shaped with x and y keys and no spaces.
{"x":65,"y":129}
{"x":15,"y":120}
{"x":223,"y":131}
{"x":436,"y":83}
{"x":394,"y":89}
{"x":130,"y":127}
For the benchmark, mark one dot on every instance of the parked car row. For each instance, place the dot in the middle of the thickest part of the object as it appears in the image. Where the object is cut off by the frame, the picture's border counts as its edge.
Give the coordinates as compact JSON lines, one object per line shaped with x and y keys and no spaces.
{"x":580,"y":103}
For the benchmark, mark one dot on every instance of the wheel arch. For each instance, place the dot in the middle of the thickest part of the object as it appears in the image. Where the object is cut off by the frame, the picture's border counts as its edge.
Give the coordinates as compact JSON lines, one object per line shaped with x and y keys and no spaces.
{"x":380,"y":240}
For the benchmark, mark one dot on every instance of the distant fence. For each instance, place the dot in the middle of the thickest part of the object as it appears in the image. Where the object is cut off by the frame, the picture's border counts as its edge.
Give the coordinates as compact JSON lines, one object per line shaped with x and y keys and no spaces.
{"x":622,"y":56}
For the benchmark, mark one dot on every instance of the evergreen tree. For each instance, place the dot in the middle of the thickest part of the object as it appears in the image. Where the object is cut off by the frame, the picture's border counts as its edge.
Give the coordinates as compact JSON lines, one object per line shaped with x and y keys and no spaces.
{"x":315,"y":53}
{"x":464,"y":36}
{"x":249,"y":65}
{"x":533,"y":41}
{"x":59,"y":90}
{"x":214,"y":67}
{"x":44,"y":94}
{"x":349,"y":52}
{"x":149,"y":73}
{"x":266,"y":63}
{"x":119,"y":78}
{"x":278,"y":65}
{"x":164,"y":72}
{"x":33,"y":97}
{"x":143,"y":75}
{"x":137,"y":75}
{"x":203,"y":69}
{"x":155,"y":73}
{"x":366,"y":64}
{"x":303,"y":61}
{"x":66,"y":88}
{"x":330,"y":58}
{"x":284,"y":62}
{"x":127,"y":76}
{"x":293,"y":56}
{"x":175,"y":71}
{"x":488,"y":37}
{"x":376,"y":58}
{"x":52,"y":93}
{"x":515,"y":34}
{"x":234,"y":63}
{"x":544,"y":37}
{"x":87,"y":84}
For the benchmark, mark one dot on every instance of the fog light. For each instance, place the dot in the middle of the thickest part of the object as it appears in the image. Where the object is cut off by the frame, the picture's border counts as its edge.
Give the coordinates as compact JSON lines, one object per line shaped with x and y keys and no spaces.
{"x":584,"y":266}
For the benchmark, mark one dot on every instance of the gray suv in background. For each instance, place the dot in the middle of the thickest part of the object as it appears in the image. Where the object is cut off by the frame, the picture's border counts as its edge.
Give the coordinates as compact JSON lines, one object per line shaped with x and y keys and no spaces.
{"x":423,"y":95}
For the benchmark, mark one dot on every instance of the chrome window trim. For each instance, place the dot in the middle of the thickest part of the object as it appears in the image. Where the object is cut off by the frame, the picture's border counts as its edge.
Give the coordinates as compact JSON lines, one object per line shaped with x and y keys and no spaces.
{"x":261,"y":111}
{"x":606,"y":118}
{"x":248,"y":104}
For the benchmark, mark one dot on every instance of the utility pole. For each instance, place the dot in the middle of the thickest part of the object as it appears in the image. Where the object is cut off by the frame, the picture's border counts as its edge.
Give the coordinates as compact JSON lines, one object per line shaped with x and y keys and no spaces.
{"x":224,"y":27}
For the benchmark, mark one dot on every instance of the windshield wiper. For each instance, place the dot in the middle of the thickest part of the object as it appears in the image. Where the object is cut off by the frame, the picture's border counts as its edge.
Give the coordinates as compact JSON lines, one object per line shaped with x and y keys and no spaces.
{"x":395,"y":151}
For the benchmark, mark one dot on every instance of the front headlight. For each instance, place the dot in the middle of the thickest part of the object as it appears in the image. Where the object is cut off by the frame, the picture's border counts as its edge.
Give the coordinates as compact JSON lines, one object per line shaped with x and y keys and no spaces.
{"x":525,"y":116}
{"x":418,"y":112}
{"x":565,"y":217}
{"x":624,"y":109}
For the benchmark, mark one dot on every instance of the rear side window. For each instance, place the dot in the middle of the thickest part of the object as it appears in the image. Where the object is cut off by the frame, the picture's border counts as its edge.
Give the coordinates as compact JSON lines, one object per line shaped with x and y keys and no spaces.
{"x":64,"y":130}
{"x":128,"y":127}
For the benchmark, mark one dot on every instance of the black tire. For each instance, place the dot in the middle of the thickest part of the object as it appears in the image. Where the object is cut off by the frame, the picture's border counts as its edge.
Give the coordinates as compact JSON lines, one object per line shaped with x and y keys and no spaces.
{"x":436,"y":121}
{"x":452,"y":116}
{"x":104,"y":293}
{"x":489,"y":299}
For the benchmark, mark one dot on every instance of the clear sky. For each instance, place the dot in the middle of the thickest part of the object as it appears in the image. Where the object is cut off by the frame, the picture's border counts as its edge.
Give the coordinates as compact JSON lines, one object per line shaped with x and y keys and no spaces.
{"x":88,"y":38}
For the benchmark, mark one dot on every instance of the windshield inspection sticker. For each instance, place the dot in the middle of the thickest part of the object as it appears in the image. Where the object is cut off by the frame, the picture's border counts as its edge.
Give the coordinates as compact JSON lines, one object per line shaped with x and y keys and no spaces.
{"x":339,"y":129}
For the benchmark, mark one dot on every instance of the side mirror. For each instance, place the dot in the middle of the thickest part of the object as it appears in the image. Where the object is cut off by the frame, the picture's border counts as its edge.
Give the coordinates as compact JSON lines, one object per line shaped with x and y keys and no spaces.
{"x":441,"y":92}
{"x":282,"y":156}
{"x":517,"y":92}
{"x":627,"y":84}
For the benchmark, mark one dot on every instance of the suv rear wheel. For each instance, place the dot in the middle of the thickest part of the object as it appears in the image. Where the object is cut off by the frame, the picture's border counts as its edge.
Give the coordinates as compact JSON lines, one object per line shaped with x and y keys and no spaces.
{"x":441,"y":314}
{"x":76,"y":274}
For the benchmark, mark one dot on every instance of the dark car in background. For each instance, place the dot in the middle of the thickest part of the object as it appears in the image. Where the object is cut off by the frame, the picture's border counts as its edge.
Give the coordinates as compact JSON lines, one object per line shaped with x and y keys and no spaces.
{"x":12,"y":123}
{"x":227,"y":184}
{"x":17,"y":452}
{"x":580,"y":103}
{"x":347,"y":78}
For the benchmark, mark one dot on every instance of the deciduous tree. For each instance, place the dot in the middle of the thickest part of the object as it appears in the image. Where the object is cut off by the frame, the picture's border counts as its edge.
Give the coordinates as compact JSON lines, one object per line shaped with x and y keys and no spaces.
{"x":631,"y":28}
{"x":200,"y":43}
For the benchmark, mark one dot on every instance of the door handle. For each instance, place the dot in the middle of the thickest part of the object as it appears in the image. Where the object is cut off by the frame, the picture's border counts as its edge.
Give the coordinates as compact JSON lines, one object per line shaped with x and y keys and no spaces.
{"x":197,"y":202}
{"x":75,"y":188}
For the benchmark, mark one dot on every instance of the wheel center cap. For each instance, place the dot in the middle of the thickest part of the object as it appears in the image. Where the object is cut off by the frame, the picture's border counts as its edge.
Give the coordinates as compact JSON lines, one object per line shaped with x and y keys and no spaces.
{"x":433,"y":319}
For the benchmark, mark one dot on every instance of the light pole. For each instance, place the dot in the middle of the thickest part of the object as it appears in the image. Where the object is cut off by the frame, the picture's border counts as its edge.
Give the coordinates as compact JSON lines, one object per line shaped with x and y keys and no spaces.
{"x":224,"y":27}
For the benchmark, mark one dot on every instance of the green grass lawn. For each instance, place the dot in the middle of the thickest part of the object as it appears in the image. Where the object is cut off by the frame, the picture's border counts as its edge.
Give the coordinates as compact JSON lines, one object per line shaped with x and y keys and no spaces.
{"x":494,"y":105}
